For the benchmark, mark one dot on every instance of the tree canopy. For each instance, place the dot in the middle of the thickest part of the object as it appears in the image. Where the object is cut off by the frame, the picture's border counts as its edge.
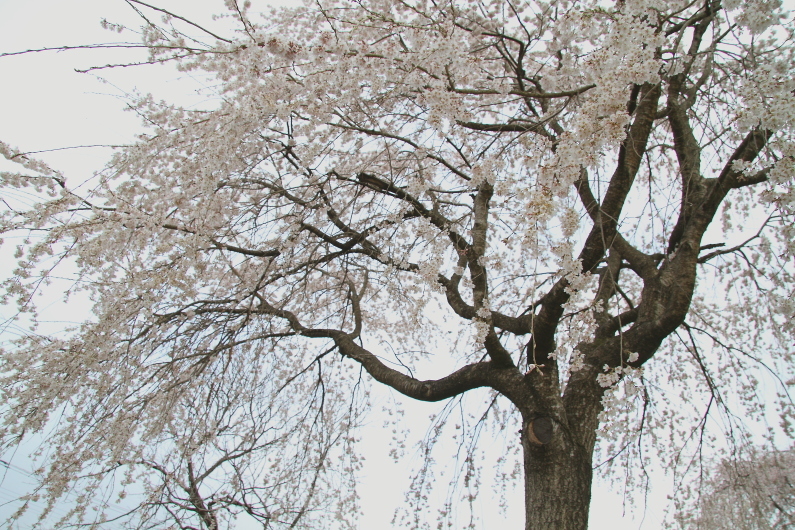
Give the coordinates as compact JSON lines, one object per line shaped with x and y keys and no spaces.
{"x":585,"y":208}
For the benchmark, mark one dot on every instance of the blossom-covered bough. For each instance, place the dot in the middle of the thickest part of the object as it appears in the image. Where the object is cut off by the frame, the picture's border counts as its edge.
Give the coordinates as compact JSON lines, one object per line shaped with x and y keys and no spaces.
{"x":545,"y":179}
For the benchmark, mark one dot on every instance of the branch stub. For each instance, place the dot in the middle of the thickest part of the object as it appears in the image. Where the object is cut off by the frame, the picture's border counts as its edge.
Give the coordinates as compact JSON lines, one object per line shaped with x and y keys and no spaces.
{"x":539,"y":430}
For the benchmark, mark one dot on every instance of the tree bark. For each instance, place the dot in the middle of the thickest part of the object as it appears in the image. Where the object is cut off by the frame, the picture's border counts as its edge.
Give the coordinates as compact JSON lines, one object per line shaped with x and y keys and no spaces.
{"x":557,"y":482}
{"x":558,"y":441}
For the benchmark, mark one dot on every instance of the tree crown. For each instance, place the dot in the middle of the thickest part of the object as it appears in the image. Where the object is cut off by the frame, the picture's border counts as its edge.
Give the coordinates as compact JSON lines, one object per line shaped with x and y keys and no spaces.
{"x":539,"y":177}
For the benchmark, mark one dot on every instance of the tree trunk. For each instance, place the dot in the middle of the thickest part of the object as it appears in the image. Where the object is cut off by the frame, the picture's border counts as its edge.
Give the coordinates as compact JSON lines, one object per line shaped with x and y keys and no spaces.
{"x":557,"y":482}
{"x":558,"y":440}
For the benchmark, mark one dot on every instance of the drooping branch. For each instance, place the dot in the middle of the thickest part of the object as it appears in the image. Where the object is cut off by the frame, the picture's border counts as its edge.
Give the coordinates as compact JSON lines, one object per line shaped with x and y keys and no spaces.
{"x":722,"y":252}
{"x":516,"y":126}
{"x":524,"y":93}
{"x":501,"y":375}
{"x":352,"y":126}
{"x":174,"y":15}
{"x":483,"y":374}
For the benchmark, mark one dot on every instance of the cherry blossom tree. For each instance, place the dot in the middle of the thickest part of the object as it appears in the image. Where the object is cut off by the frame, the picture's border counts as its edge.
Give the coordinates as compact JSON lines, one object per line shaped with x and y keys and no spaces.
{"x":757,"y":492}
{"x":595,"y":199}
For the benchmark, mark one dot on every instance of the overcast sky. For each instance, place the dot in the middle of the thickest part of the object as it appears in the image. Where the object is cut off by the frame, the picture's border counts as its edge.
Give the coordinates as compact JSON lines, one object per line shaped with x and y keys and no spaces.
{"x":45,"y":107}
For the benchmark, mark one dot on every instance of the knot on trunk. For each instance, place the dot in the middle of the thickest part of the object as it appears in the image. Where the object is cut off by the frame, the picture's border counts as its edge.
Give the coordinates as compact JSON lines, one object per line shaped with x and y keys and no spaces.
{"x":539,"y":430}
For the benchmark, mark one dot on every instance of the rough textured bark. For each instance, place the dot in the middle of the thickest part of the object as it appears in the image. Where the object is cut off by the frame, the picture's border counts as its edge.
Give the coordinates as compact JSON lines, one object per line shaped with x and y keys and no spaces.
{"x":557,"y":484}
